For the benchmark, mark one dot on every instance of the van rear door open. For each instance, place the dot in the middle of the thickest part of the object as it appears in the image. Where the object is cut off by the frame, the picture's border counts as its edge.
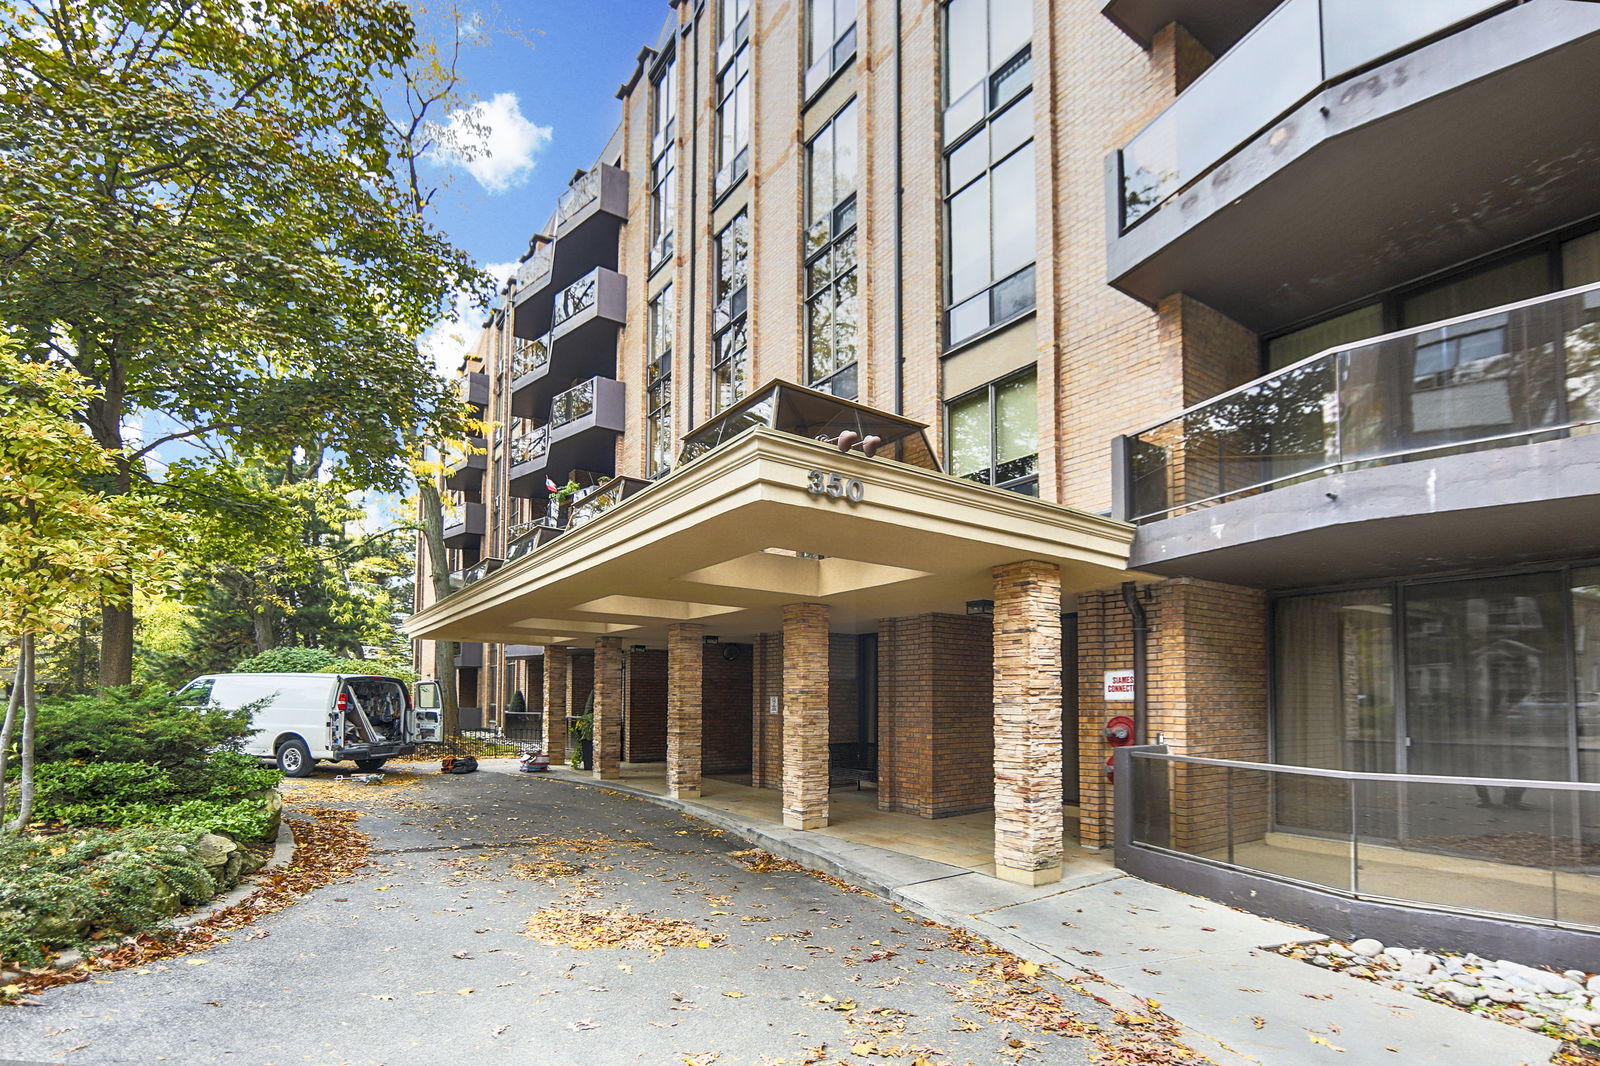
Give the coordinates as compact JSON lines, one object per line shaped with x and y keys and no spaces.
{"x":429,"y":706}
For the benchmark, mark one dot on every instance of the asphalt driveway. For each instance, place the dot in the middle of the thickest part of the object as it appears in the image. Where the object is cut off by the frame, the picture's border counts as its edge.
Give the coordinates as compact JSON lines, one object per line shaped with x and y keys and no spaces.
{"x":424,"y":957}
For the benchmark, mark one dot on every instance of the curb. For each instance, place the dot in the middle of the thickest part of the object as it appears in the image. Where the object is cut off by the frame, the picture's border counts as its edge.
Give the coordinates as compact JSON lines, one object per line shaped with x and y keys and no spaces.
{"x":783,"y":847}
{"x":282,"y":854}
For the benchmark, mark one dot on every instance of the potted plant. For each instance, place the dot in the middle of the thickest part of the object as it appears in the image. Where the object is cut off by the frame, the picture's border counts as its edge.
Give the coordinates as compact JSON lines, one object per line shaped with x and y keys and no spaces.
{"x":580,"y":737}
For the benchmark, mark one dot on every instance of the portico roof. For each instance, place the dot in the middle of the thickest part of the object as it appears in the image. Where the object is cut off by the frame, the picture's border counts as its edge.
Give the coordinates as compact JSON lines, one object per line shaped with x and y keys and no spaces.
{"x":729,"y":539}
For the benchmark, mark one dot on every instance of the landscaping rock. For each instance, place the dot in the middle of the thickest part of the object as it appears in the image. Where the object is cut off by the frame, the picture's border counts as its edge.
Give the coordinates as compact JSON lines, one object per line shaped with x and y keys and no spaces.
{"x":220,"y":857}
{"x":1366,"y":946}
{"x":1460,"y":995}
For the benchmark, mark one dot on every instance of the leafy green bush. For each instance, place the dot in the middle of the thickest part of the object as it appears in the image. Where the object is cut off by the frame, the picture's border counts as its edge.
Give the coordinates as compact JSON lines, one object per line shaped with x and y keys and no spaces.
{"x":216,"y":798}
{"x":56,"y":891}
{"x":518,"y":704}
{"x":108,"y":783}
{"x":247,"y":818}
{"x":231,"y":774}
{"x":286,"y":660}
{"x":133,"y":725}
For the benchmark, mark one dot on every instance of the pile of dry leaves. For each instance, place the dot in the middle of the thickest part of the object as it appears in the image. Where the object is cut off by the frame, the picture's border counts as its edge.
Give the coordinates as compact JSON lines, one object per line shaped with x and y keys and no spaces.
{"x":588,"y":930}
{"x":327,"y":848}
{"x":764,"y":862}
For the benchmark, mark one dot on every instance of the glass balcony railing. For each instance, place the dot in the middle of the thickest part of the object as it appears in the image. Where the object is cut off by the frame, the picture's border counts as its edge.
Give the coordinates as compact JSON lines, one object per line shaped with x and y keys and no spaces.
{"x":529,"y":446}
{"x":529,"y":356}
{"x":1528,"y":850}
{"x":1518,"y":374}
{"x":1300,"y":47}
{"x":536,"y":266}
{"x":587,"y":506}
{"x":579,"y":296}
{"x":580,"y":194}
{"x":575,"y":403}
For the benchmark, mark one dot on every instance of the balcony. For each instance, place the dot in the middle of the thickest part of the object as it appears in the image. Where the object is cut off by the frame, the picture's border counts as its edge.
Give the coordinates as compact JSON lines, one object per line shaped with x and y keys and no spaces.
{"x":473,"y":388}
{"x":460,"y":579}
{"x":464,"y":470}
{"x":590,"y":309}
{"x":530,"y":364}
{"x":589,"y":216}
{"x":1452,"y":444}
{"x":528,"y":453}
{"x":1339,"y":149}
{"x":468,"y":657}
{"x":534,"y":273}
{"x":584,"y":424}
{"x":465,"y":527}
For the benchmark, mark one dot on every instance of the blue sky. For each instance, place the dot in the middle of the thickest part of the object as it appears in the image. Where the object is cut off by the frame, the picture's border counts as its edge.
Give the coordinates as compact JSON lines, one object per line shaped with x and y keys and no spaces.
{"x":545,"y":82}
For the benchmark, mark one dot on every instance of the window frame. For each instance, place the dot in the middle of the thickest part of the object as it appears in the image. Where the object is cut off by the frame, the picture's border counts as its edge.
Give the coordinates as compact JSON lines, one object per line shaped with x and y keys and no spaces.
{"x":840,"y":51}
{"x":658,"y":381}
{"x":836,"y":231}
{"x":734,"y":92}
{"x":730,"y":316}
{"x":663,"y":159}
{"x":1000,"y":93}
{"x":1020,"y":484}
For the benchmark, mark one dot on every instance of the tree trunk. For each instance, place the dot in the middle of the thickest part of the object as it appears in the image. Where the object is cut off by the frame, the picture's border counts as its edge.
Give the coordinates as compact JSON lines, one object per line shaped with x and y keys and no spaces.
{"x":116,"y":643}
{"x":6,"y":729}
{"x":444,"y":651}
{"x":261,"y":623}
{"x":30,"y":711}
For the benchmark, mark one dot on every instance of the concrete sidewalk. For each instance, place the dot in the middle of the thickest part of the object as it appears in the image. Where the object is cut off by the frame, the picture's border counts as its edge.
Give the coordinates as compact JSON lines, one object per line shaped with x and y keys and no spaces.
{"x":1202,"y":962}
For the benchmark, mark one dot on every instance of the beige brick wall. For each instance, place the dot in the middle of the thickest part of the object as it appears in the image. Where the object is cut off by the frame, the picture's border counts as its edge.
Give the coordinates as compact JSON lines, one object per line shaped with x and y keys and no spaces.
{"x":685,"y":661}
{"x":805,"y":712}
{"x":608,"y":698}
{"x":1027,"y":721}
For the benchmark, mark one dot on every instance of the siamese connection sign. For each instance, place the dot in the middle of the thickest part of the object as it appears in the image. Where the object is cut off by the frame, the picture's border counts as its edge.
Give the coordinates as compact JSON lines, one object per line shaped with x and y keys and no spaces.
{"x":1119,"y":685}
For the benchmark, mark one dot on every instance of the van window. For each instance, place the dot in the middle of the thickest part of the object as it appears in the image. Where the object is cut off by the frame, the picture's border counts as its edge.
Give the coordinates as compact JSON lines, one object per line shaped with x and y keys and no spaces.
{"x":197,"y":693}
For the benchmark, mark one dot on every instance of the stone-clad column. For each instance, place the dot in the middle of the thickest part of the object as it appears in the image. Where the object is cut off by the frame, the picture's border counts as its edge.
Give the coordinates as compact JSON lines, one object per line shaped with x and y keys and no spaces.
{"x":1027,"y":722}
{"x":805,"y":715}
{"x":555,"y":703}
{"x":608,"y":707}
{"x":685,"y":671}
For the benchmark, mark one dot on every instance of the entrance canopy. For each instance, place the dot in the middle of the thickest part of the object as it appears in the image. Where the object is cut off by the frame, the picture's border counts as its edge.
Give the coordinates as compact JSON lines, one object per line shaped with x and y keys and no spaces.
{"x":769,"y":518}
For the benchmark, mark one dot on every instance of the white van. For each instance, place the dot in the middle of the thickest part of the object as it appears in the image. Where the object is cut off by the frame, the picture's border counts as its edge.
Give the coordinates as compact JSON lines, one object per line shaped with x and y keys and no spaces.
{"x":307,"y":718}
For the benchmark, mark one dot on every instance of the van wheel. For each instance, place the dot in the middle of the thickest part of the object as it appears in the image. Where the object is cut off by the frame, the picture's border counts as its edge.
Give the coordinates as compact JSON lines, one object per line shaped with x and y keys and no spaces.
{"x":368,"y":766}
{"x":294,"y":758}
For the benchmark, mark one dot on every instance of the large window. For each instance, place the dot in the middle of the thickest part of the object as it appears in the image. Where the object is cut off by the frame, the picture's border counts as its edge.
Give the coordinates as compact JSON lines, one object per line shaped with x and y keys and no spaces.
{"x":658,"y":385}
{"x":663,"y":154}
{"x":830,"y":39}
{"x":988,"y":163}
{"x":730,"y":361}
{"x":830,"y":249}
{"x":733,"y":119}
{"x":993,"y":434}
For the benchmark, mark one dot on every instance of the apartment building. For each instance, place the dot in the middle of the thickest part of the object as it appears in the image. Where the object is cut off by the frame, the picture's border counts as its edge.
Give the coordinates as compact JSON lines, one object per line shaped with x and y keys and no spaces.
{"x":932,"y":389}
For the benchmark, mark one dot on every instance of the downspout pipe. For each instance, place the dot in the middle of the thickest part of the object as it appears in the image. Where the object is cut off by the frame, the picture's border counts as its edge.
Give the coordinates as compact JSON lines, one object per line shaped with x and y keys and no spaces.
{"x":899,"y":222}
{"x":1141,"y":657}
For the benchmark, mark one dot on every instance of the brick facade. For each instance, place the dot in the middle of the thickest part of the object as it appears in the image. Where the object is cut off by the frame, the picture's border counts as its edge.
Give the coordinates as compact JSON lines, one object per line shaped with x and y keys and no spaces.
{"x":805,"y":711}
{"x":935,"y":715}
{"x":1027,"y":722}
{"x":644,"y":739}
{"x":726,"y":735}
{"x":554,"y":700}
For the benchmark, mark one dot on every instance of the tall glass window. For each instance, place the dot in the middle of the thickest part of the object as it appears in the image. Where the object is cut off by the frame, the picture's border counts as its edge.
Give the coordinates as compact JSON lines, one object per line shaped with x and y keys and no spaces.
{"x":730,"y":361}
{"x":993,"y":434}
{"x":733,"y":22}
{"x":830,"y":242}
{"x":733,"y":119}
{"x":658,"y":384}
{"x":663,"y":154}
{"x":830,"y":39}
{"x":988,"y":164}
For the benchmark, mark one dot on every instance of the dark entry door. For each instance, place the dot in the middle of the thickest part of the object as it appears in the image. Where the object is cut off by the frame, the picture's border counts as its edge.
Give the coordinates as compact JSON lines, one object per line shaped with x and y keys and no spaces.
{"x":1069,"y":709}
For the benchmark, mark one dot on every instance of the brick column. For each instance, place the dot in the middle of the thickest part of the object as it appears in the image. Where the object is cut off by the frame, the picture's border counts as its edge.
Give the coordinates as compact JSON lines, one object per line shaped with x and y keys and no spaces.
{"x":805,"y":715}
{"x":1027,"y":722}
{"x":685,"y":671}
{"x":554,"y":723}
{"x":608,"y":707}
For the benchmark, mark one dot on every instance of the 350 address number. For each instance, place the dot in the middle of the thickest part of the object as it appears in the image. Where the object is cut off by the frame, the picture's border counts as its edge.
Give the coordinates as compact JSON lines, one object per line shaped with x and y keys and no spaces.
{"x":824,"y":483}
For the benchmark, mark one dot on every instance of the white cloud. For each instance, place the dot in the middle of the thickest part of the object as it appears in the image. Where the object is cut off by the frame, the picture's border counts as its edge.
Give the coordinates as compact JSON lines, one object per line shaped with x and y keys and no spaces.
{"x":454,"y":336}
{"x":492,"y":141}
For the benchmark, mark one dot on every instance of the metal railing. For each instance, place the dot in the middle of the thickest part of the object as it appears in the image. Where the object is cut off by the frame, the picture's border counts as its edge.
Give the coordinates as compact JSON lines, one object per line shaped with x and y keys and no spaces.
{"x":583,"y":191}
{"x":579,"y":296}
{"x":1300,"y":47}
{"x":1528,"y":850}
{"x":529,"y":355}
{"x":573,"y":404}
{"x":536,"y":266}
{"x":1518,"y":374}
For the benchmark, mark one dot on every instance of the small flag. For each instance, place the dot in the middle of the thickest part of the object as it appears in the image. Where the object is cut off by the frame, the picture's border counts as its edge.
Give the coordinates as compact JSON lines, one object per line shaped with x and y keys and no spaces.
{"x":550,"y":485}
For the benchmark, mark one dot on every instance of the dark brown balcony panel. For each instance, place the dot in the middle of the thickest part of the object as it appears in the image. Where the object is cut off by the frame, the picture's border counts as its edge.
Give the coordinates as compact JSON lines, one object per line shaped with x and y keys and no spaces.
{"x":589,"y":216}
{"x":1218,"y":26}
{"x":589,"y":311}
{"x":466,"y":471}
{"x":465,"y":527}
{"x":468,"y":656}
{"x":1273,"y":195}
{"x":530,"y":366}
{"x":524,"y":651}
{"x":474,"y":388}
{"x":585,"y":422}
{"x":529,"y":454}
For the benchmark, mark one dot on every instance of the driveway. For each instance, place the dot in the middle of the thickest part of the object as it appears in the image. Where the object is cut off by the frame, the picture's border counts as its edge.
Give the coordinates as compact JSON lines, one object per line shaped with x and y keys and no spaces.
{"x":425,"y":957}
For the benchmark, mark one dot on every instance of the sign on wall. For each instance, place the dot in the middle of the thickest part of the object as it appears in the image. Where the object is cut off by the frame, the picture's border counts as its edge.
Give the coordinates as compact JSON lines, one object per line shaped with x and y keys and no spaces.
{"x":1119,"y":685}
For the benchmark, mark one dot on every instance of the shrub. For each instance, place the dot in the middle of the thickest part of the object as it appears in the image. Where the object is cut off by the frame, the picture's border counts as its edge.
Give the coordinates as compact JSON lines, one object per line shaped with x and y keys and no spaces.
{"x":216,"y":798}
{"x":320,"y":661}
{"x":231,"y":774}
{"x":246,"y":818}
{"x":110,"y":783}
{"x":518,"y":704}
{"x":132,"y":725}
{"x":56,"y":891}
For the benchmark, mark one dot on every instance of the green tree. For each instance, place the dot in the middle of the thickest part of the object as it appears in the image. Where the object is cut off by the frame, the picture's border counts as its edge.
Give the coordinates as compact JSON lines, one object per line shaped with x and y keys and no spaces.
{"x":206,"y":211}
{"x":61,"y":544}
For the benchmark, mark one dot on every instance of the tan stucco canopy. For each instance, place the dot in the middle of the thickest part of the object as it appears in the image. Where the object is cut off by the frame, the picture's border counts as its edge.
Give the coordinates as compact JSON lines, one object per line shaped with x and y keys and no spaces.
{"x":731,"y":538}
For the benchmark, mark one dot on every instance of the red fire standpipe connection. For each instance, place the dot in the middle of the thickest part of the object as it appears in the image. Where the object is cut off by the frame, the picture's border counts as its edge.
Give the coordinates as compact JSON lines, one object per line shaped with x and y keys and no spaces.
{"x":1141,"y":634}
